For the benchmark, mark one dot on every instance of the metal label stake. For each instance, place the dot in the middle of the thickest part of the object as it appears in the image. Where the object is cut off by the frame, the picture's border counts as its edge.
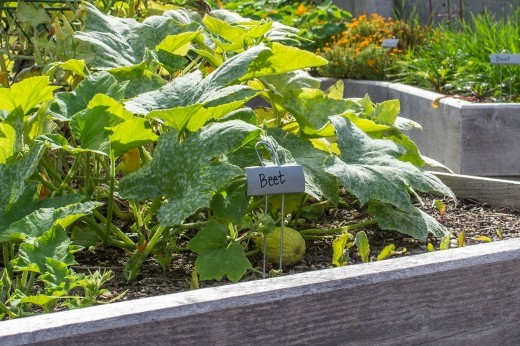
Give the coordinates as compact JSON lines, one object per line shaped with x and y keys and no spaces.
{"x":269,"y":180}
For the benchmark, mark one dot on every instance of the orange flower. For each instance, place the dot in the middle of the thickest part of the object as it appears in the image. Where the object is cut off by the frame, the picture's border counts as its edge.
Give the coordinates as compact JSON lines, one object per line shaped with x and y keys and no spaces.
{"x":301,"y":10}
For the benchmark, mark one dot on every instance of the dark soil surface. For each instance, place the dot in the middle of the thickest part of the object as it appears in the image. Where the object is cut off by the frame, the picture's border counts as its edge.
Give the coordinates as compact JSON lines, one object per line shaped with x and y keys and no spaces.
{"x":476,"y":220}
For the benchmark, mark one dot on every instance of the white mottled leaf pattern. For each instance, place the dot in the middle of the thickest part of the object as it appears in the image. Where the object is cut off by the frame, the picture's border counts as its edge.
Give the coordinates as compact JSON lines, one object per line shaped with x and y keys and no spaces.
{"x":370,"y":170}
{"x":188,"y":173}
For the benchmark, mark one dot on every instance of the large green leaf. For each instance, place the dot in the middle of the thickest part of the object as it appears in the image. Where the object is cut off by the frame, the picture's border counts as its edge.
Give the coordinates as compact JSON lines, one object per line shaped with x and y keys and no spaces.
{"x":370,"y":170}
{"x":189,"y":173}
{"x":312,"y":108}
{"x":381,"y":131}
{"x":282,"y":59}
{"x":381,"y":121}
{"x":417,"y":223}
{"x":230,"y":204}
{"x":107,"y":128}
{"x":235,"y":36}
{"x":139,"y":78}
{"x":69,"y":103}
{"x":193,"y":97}
{"x":13,"y":177}
{"x":53,"y":244}
{"x":121,"y":129}
{"x":7,"y":141}
{"x":109,"y":42}
{"x":11,"y":134}
{"x":318,"y":183}
{"x":40,"y":220}
{"x":88,"y":126}
{"x":27,"y":94}
{"x":216,"y":256}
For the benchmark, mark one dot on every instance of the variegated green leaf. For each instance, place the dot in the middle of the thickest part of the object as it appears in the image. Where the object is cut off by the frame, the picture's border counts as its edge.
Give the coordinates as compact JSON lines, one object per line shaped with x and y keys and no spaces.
{"x":370,"y":170}
{"x":417,"y":223}
{"x":282,"y":59}
{"x":13,"y":177}
{"x":69,"y":103}
{"x":189,"y":101}
{"x":139,"y":78}
{"x":318,"y":183}
{"x":190,"y":172}
{"x":108,"y":42}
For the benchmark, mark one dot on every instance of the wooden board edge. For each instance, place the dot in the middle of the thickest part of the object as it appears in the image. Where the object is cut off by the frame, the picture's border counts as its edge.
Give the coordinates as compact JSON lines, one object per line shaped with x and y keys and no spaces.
{"x":494,"y":192}
{"x":71,"y":327}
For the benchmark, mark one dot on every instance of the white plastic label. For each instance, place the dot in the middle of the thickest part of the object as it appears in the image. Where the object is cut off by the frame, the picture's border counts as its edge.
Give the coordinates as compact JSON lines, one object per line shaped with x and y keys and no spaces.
{"x":505,"y":59}
{"x":390,"y":43}
{"x":270,"y":180}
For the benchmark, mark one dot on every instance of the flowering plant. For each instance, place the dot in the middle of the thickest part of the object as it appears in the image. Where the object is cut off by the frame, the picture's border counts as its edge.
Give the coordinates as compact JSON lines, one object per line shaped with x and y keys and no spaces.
{"x":357,"y":52}
{"x":317,"y":22}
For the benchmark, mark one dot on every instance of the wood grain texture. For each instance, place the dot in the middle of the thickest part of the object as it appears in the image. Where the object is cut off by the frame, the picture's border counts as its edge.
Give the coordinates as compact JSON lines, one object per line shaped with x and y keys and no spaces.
{"x":490,"y":139}
{"x":469,"y":295}
{"x":495,"y":192}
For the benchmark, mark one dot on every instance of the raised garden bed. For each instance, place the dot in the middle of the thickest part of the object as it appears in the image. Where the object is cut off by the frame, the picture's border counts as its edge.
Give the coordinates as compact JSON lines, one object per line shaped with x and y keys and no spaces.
{"x":470,"y":138}
{"x":464,"y":295}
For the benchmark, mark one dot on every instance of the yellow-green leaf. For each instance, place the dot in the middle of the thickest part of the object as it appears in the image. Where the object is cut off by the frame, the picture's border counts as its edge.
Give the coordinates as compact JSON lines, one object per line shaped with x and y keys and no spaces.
{"x":178,"y":44}
{"x":27,"y":94}
{"x":430,"y":247}
{"x":363,"y":247}
{"x":387,"y":252}
{"x":340,"y":247}
{"x":7,"y":141}
{"x":461,"y":239}
{"x":282,"y":59}
{"x":76,"y":66}
{"x":483,"y":238}
{"x":445,"y":242}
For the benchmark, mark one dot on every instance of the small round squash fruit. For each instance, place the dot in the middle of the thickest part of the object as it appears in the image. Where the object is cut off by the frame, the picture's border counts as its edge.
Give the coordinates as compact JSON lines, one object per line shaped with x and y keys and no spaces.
{"x":293,"y":246}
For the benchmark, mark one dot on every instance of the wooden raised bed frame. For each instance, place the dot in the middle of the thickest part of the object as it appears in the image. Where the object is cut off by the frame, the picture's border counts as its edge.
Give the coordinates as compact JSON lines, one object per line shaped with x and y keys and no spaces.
{"x":468,"y":295}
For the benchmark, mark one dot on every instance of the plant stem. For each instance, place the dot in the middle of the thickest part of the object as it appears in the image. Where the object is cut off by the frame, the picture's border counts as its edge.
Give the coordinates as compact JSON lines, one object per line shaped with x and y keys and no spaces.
{"x":156,"y":204}
{"x":138,"y":217}
{"x":110,"y":207}
{"x":252,"y":253}
{"x":5,"y":309}
{"x":3,"y":66}
{"x":321,"y":232}
{"x":199,"y":224}
{"x":89,"y":189}
{"x":50,"y":171}
{"x":120,"y":234}
{"x":69,"y":176}
{"x":7,"y":264}
{"x":30,"y":283}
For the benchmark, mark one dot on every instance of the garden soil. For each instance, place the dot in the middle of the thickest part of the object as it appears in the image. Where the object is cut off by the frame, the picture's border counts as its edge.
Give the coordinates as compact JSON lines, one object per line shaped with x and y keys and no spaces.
{"x":479,"y":222}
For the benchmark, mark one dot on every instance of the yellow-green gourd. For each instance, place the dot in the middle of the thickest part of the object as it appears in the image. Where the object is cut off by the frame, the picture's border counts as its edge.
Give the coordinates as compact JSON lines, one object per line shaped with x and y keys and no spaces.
{"x":293,"y":246}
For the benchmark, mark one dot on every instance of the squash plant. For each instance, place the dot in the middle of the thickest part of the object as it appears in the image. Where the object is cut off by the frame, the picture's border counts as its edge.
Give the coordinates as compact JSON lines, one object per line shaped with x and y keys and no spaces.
{"x":168,"y":97}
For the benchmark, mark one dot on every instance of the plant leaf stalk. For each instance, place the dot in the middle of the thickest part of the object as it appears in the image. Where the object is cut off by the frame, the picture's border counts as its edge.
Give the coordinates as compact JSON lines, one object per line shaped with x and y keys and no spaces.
{"x":332,"y":231}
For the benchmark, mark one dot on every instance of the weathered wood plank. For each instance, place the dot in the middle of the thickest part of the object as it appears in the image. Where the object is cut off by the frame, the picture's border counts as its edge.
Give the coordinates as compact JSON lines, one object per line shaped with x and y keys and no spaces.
{"x":489,"y":135}
{"x":461,"y":296}
{"x":496,"y":192}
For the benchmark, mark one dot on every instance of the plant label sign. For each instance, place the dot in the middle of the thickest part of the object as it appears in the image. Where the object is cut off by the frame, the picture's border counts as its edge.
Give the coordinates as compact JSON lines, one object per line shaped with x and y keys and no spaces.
{"x":271,"y":180}
{"x":390,"y":43}
{"x":505,"y":59}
